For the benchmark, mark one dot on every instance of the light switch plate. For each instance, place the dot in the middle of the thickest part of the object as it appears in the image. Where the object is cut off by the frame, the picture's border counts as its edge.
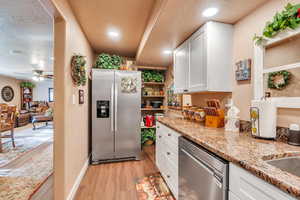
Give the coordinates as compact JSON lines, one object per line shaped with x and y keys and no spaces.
{"x":73,"y":99}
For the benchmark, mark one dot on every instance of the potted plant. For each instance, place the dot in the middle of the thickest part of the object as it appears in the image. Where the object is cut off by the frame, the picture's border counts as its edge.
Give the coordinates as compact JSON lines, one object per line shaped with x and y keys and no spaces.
{"x":148,"y":136}
{"x":27,"y":84}
{"x":107,"y":61}
{"x":152,"y":76}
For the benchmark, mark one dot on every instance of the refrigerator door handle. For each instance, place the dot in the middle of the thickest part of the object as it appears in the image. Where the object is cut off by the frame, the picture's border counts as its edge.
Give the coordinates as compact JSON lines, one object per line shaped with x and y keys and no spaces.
{"x":116,"y":108}
{"x":112,"y":108}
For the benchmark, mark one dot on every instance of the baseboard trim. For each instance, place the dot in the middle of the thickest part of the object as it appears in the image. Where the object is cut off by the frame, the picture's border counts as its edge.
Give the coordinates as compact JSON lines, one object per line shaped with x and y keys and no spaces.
{"x":78,"y":181}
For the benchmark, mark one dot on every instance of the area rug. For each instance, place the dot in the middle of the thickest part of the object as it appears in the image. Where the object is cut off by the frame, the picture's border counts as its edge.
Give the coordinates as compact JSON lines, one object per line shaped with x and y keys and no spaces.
{"x":153,"y":187}
{"x":26,"y":140}
{"x":21,"y":182}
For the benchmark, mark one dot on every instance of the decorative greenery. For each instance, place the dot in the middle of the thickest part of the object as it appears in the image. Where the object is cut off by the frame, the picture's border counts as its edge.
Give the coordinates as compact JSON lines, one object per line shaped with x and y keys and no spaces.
{"x":106,"y":61}
{"x":152,"y":76}
{"x":288,"y":18}
{"x":148,"y":134}
{"x":27,"y":84}
{"x":78,"y":65}
{"x":286,"y":76}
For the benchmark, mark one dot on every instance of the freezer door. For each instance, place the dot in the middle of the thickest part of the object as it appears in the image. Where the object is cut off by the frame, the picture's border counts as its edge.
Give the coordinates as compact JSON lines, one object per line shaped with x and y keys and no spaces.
{"x":127,"y":113}
{"x":102,"y":115}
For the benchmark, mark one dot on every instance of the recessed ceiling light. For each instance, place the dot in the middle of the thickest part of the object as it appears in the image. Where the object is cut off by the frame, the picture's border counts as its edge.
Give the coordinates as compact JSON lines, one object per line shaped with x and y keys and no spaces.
{"x":209,"y":12}
{"x":114,"y":34}
{"x":167,"y":52}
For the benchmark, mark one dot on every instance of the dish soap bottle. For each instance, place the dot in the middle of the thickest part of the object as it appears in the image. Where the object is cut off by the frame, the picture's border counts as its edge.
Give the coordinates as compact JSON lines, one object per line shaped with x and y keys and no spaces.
{"x":232,"y":119}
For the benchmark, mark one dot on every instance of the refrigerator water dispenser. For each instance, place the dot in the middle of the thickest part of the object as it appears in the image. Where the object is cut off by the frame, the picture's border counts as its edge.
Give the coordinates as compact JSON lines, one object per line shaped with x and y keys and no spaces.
{"x":102,"y":109}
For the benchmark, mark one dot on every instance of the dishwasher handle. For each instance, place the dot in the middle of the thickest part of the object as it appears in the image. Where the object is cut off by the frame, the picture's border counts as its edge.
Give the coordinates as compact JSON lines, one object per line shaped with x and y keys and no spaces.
{"x":217,"y":178}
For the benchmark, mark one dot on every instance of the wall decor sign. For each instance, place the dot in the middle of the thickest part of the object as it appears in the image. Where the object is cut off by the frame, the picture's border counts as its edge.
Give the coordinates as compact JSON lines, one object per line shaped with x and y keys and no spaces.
{"x":81,"y":96}
{"x":7,"y":93}
{"x":243,"y":71}
{"x":78,"y":70}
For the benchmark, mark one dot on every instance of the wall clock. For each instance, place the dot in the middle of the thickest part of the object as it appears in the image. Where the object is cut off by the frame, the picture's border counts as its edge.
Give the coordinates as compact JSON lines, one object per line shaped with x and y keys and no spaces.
{"x":7,"y":93}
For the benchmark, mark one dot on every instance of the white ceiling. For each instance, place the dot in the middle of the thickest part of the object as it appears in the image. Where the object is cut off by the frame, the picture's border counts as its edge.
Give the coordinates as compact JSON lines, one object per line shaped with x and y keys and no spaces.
{"x":26,"y":33}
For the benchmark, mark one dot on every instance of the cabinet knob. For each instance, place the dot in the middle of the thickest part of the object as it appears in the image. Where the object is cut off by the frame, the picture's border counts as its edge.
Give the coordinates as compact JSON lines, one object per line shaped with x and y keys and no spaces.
{"x":169,"y":134}
{"x":168,"y":176}
{"x":157,"y":126}
{"x":168,"y":153}
{"x":159,"y":136}
{"x":185,"y":90}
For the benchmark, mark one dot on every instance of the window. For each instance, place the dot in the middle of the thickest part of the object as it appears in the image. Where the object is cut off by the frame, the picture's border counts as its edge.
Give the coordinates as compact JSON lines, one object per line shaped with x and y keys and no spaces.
{"x":51,"y":95}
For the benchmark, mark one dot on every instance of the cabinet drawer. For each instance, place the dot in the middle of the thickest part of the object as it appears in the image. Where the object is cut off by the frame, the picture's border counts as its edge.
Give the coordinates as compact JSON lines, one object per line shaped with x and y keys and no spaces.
{"x":246,"y":186}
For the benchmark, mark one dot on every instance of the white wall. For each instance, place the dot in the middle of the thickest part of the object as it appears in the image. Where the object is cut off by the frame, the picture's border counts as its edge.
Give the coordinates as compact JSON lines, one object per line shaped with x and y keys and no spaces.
{"x":40,"y":92}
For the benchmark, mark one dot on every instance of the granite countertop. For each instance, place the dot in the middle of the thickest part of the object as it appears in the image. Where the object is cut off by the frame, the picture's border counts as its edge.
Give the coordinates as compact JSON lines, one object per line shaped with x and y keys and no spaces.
{"x":243,"y":150}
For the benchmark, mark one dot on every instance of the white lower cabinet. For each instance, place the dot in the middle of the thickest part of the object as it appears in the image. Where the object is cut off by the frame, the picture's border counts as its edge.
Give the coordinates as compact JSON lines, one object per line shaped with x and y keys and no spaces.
{"x":167,"y":156}
{"x":245,"y":186}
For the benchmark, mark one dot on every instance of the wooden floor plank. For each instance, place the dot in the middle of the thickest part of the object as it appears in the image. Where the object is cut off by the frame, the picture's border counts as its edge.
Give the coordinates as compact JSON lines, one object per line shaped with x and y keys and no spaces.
{"x":116,"y":181}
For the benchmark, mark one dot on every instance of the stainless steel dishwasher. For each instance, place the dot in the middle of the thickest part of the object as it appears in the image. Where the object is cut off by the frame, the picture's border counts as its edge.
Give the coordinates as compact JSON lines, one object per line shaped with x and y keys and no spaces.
{"x":202,"y":175}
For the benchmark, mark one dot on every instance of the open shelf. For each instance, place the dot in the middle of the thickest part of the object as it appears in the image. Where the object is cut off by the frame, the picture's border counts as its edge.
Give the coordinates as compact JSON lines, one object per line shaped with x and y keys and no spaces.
{"x":154,"y":96}
{"x":153,"y":83}
{"x":145,"y":127}
{"x":152,"y":109}
{"x":152,"y":68}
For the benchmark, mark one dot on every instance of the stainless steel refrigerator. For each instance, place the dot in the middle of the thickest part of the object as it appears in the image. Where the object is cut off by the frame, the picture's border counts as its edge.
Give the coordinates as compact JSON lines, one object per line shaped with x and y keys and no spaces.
{"x":116,"y":113}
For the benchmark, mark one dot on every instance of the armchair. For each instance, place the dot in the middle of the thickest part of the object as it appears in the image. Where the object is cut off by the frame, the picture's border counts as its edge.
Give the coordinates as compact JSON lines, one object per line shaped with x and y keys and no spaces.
{"x":7,"y":123}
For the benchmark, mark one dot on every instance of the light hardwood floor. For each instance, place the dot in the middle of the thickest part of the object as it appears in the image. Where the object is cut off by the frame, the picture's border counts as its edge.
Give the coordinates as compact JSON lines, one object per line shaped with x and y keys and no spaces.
{"x":116,"y":181}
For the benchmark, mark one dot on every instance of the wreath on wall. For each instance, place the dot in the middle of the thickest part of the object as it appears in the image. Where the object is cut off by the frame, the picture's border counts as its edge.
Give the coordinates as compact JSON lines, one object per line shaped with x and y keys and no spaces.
{"x":78,"y":70}
{"x":279,"y":80}
{"x":289,"y":18}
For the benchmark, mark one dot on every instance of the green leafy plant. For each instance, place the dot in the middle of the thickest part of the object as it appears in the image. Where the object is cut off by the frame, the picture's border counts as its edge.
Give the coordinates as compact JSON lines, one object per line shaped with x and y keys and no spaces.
{"x":27,"y":84}
{"x":106,"y":61}
{"x":272,"y":76}
{"x":288,"y":18}
{"x":152,"y":76}
{"x":148,"y":134}
{"x":78,"y":65}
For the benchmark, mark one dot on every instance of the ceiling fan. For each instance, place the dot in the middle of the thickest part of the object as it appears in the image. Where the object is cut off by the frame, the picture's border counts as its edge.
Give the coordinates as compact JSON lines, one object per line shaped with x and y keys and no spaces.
{"x":39,"y":75}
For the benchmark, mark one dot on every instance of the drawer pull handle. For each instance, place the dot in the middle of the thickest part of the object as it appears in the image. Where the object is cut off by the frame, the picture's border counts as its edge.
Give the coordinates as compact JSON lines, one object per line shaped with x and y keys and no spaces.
{"x":168,"y":153}
{"x":168,"y":176}
{"x":169,"y":134}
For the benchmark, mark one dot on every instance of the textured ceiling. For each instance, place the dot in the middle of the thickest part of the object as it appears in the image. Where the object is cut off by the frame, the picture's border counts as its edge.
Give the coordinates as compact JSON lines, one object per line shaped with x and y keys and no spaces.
{"x":130,"y":17}
{"x":26,"y":33}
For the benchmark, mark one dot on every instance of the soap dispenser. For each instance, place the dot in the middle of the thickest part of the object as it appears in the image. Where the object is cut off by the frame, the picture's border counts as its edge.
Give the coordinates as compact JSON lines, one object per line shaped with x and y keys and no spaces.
{"x":232,"y":119}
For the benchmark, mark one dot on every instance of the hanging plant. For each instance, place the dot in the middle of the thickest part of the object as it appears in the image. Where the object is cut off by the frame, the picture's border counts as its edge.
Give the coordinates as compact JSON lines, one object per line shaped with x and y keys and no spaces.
{"x":279,"y":80}
{"x":27,"y":84}
{"x":106,"y":61}
{"x":288,"y":18}
{"x":78,"y":70}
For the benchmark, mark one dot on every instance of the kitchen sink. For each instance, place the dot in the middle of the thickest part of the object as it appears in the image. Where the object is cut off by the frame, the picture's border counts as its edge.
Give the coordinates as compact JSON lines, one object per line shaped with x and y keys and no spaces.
{"x":291,"y":164}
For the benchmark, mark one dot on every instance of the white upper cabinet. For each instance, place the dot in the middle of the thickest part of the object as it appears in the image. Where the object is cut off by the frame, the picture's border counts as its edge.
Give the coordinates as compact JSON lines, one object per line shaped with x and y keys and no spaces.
{"x":206,"y":64}
{"x":181,"y":63}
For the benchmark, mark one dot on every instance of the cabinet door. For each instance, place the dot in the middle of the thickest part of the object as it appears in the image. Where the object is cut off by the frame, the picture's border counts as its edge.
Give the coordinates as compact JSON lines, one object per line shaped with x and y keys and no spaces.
{"x":159,"y":146}
{"x":248,"y":187}
{"x":181,"y":68}
{"x":198,"y":68}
